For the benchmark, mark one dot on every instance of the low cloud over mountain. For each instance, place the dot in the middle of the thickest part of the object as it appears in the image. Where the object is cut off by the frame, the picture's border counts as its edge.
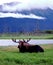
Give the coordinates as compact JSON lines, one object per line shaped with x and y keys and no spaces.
{"x":25,"y":8}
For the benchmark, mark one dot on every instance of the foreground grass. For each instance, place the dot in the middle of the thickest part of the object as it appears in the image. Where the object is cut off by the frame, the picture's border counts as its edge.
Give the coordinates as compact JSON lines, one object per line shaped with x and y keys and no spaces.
{"x":21,"y":36}
{"x":12,"y":56}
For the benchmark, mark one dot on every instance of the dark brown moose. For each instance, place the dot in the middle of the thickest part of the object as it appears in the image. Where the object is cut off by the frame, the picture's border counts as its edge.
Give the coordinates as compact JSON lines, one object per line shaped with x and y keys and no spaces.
{"x":24,"y":46}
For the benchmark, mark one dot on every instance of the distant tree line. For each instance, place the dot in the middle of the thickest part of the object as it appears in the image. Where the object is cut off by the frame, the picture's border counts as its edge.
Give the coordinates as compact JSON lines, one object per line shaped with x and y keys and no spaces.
{"x":48,"y":31}
{"x":26,"y":33}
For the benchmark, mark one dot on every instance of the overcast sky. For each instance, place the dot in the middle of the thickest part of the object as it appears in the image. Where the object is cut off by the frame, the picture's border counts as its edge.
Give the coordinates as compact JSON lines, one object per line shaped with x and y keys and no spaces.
{"x":20,"y":5}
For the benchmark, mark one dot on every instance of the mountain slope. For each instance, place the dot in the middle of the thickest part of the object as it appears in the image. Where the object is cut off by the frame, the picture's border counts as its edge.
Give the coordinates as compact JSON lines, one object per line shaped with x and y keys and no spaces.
{"x":23,"y":24}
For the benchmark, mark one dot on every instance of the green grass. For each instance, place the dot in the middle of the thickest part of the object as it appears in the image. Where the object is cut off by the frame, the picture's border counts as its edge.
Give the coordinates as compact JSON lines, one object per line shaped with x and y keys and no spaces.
{"x":21,"y":36}
{"x":12,"y":56}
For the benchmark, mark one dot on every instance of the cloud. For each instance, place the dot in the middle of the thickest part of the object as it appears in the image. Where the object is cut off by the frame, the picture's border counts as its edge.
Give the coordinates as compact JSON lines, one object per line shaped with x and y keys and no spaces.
{"x":26,"y":5}
{"x":23,"y":5}
{"x":8,"y":1}
{"x":17,"y":15}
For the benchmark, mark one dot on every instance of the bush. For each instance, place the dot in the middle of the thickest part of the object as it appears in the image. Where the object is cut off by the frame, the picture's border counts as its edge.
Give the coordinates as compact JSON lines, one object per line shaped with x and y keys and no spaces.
{"x":49,"y":31}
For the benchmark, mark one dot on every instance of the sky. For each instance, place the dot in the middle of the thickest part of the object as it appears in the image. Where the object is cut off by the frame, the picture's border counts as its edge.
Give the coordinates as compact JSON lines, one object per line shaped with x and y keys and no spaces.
{"x":20,"y":5}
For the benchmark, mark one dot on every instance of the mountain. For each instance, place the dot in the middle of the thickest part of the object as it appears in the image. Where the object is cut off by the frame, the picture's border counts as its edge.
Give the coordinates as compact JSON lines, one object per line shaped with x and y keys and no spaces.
{"x":10,"y":24}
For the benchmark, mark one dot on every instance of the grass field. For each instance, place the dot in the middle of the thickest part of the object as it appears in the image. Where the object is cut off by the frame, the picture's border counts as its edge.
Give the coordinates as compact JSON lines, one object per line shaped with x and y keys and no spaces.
{"x":21,"y":36}
{"x":11,"y":56}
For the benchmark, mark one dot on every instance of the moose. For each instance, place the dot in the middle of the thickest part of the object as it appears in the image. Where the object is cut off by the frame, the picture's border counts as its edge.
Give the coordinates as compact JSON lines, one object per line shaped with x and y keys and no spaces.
{"x":24,"y":46}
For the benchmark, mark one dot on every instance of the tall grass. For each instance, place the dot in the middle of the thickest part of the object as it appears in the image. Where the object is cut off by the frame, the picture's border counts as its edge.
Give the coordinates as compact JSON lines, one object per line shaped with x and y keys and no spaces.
{"x":10,"y":57}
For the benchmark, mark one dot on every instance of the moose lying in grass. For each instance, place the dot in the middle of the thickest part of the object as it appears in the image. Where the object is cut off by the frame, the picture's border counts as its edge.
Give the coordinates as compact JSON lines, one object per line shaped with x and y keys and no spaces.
{"x":24,"y":46}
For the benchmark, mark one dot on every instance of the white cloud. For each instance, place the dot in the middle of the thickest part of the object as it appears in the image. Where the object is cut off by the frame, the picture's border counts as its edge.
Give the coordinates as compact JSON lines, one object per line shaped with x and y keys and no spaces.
{"x":8,"y":1}
{"x":21,"y":5}
{"x":17,"y":15}
{"x":27,"y":4}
